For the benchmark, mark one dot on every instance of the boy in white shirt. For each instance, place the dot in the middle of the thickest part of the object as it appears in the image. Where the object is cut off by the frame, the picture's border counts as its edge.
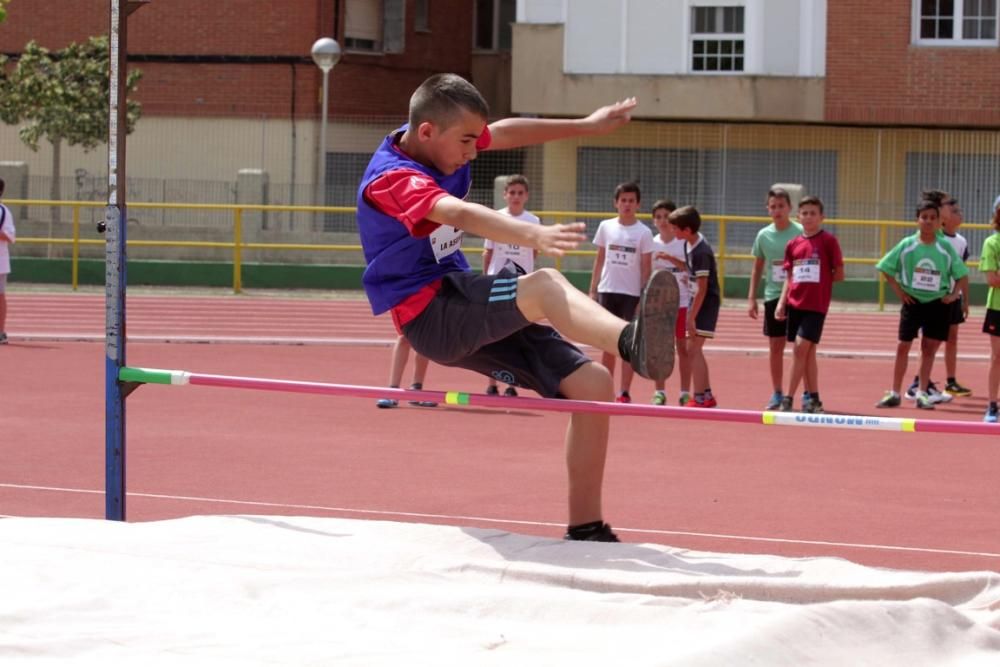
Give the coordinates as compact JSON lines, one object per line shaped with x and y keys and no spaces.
{"x":7,"y":236}
{"x":668,"y":254}
{"x":622,"y":266}
{"x":496,"y":255}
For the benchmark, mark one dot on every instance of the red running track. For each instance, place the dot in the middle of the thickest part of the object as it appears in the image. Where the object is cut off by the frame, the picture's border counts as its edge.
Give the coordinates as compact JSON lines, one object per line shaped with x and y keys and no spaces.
{"x":892,"y":499}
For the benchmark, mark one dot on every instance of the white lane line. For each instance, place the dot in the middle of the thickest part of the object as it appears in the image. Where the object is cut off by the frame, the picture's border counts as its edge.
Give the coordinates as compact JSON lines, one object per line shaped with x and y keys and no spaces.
{"x":515,"y":522}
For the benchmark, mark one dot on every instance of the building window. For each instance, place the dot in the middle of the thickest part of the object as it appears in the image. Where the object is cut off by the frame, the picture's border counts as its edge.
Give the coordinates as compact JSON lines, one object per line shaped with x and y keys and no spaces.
{"x":717,"y":39}
{"x":375,"y":25}
{"x":421,"y":16}
{"x":492,"y":21}
{"x":955,"y":22}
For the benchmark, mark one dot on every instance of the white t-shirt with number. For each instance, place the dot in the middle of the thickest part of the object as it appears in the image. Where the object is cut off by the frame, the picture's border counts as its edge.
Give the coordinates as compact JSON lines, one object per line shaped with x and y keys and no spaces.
{"x":623,"y":246}
{"x":674,"y":248}
{"x":7,"y":225}
{"x":523,"y":256}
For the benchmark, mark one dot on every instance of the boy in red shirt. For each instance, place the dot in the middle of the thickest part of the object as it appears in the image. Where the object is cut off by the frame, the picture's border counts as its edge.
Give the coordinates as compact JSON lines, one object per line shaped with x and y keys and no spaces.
{"x":813,"y":262}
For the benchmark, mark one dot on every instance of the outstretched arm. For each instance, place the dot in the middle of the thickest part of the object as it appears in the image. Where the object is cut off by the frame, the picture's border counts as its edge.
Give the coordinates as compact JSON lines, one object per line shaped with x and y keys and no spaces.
{"x":516,"y":132}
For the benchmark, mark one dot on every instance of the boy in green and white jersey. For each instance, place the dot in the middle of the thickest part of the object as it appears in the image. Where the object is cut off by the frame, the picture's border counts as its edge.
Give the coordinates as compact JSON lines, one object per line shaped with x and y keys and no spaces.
{"x":989,"y":263}
{"x":920,"y":270}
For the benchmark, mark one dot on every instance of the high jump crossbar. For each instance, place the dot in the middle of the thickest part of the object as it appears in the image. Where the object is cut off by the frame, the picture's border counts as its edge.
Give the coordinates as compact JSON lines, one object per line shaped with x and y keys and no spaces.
{"x":767,"y":418}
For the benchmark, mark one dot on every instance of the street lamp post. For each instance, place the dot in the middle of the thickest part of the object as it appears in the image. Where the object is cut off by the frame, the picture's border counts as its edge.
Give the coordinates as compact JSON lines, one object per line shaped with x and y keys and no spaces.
{"x":326,"y":54}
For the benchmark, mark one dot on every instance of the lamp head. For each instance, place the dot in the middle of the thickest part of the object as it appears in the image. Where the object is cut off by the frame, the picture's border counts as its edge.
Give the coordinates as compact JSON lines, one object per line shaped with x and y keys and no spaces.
{"x":325,"y":53}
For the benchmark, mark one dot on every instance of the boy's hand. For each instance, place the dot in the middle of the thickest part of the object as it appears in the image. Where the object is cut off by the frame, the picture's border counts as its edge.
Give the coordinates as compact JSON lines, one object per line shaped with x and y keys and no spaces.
{"x":906,"y":298}
{"x":752,"y":308}
{"x":779,"y":311}
{"x":612,"y":116}
{"x":554,"y":240}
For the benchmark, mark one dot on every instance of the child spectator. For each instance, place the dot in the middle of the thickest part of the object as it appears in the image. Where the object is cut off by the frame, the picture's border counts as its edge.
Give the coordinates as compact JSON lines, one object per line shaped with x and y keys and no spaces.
{"x":919,"y":269}
{"x":813,"y":262}
{"x":7,"y":236}
{"x":400,"y":352}
{"x":668,"y":255}
{"x":703,"y":313}
{"x":496,"y":255}
{"x":951,"y":220}
{"x":622,"y":266}
{"x":411,"y":217}
{"x":989,"y":264}
{"x":769,"y":260}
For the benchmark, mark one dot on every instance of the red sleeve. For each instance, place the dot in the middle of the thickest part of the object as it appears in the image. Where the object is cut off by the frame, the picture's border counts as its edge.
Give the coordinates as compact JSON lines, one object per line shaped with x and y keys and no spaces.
{"x":408,"y":196}
{"x":836,"y":256}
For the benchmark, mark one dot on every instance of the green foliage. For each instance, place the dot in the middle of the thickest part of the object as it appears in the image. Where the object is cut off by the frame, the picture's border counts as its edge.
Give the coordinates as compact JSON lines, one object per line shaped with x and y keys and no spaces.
{"x":3,"y":10}
{"x":62,"y":96}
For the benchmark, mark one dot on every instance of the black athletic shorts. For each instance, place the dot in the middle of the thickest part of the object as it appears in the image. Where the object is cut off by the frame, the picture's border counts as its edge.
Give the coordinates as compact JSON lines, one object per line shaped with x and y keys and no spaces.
{"x":474,"y":323}
{"x":773,"y":328}
{"x":707,"y":317}
{"x":621,"y":305}
{"x":932,"y":318}
{"x":805,"y":323}
{"x":991,"y":325}
{"x":955,"y":311}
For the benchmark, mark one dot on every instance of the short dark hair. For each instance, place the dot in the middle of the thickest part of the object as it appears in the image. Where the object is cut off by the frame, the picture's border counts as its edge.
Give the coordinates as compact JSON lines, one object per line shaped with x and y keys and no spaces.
{"x":780,"y":193}
{"x":936,"y":197}
{"x":629,"y":186}
{"x":686,"y":217}
{"x":515,"y":179}
{"x":3,"y":186}
{"x":926,"y":205}
{"x":811,"y":200}
{"x":666,"y":204}
{"x":949,"y":201}
{"x":440,"y":99}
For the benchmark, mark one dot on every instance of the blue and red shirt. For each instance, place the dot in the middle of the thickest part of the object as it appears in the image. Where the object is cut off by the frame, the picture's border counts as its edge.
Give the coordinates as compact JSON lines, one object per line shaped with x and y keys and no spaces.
{"x":406,"y":254}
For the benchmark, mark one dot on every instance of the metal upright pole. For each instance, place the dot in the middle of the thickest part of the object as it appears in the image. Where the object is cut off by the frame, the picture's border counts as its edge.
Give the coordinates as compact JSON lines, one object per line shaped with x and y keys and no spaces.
{"x":115,"y":259}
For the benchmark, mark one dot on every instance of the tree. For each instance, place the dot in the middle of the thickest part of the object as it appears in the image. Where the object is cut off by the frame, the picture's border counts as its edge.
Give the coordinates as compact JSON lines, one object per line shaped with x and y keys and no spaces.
{"x":3,"y":10}
{"x":62,"y":97}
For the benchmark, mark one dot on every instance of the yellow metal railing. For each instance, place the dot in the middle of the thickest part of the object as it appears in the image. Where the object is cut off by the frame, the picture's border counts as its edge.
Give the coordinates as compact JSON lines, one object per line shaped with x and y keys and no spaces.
{"x":238,"y":245}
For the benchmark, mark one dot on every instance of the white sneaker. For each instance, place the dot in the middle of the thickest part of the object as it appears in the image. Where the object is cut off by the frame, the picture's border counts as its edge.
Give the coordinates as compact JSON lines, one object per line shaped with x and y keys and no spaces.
{"x":936,"y":396}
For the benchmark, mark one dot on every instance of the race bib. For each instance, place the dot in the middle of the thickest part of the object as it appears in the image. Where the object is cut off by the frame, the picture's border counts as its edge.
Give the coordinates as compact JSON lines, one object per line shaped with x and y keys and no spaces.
{"x":445,"y":240}
{"x":806,"y":270}
{"x":926,"y":279}
{"x":778,"y":271}
{"x":620,"y":255}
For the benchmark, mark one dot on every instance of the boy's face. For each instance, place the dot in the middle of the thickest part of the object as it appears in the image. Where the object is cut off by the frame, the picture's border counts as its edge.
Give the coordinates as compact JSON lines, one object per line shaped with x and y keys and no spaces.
{"x":810,"y":218}
{"x":666,"y":230}
{"x":449,"y":148}
{"x":516,"y":196}
{"x":929,"y":221}
{"x":627,"y":204}
{"x":951,"y":217}
{"x":778,"y":209}
{"x":683,"y":233}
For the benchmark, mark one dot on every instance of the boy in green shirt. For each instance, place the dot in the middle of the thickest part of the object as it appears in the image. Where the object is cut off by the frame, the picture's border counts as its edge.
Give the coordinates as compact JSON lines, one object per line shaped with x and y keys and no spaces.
{"x":769,"y":260}
{"x":989,"y":263}
{"x":920,"y":270}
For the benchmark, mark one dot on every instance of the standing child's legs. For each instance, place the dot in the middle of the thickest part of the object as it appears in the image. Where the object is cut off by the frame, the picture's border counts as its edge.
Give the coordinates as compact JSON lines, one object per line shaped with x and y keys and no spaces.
{"x":899,"y":366}
{"x":699,"y":366}
{"x":586,"y":442}
{"x":400,"y":353}
{"x":951,"y":351}
{"x":3,"y":313}
{"x":776,"y":354}
{"x":993,"y":379}
{"x":928,"y":349}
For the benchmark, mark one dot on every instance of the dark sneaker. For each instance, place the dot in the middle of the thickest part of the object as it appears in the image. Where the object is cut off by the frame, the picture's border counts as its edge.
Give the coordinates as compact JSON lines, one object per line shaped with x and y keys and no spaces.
{"x":955,"y":389}
{"x":591,"y":532}
{"x":786,"y":404}
{"x":813,"y":407}
{"x":911,"y":391}
{"x":890,"y":400}
{"x":924,"y":401}
{"x":510,"y":391}
{"x":416,"y":386}
{"x":386,"y":403}
{"x":492,"y":390}
{"x":3,"y":340}
{"x":991,"y":416}
{"x":651,"y":347}
{"x":659,"y":398}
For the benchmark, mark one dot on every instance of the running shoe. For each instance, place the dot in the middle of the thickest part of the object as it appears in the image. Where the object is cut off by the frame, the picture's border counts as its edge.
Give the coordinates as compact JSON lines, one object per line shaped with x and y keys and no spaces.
{"x":991,"y":416}
{"x":623,"y":397}
{"x":786,"y":404}
{"x":509,"y":392}
{"x":492,"y":390}
{"x":386,"y":403}
{"x":775,"y":401}
{"x":709,"y":402}
{"x":683,"y":399}
{"x":417,"y":386}
{"x":890,"y":400}
{"x":659,"y":398}
{"x":911,"y":391}
{"x":923,"y":401}
{"x":955,"y":389}
{"x":650,"y":337}
{"x":596,"y":532}
{"x":936,"y":396}
{"x":812,"y":407}
{"x":3,"y":338}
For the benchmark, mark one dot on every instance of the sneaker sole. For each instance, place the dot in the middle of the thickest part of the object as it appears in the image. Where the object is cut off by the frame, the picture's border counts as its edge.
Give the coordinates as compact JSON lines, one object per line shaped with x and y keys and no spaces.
{"x":653,"y":345}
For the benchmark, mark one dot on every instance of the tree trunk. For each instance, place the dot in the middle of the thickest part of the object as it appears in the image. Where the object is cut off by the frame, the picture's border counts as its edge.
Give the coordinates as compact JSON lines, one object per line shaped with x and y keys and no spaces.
{"x":55,"y":193}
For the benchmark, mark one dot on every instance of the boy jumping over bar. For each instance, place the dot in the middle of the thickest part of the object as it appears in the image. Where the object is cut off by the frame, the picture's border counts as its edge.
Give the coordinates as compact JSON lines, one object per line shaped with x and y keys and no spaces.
{"x":411,"y":217}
